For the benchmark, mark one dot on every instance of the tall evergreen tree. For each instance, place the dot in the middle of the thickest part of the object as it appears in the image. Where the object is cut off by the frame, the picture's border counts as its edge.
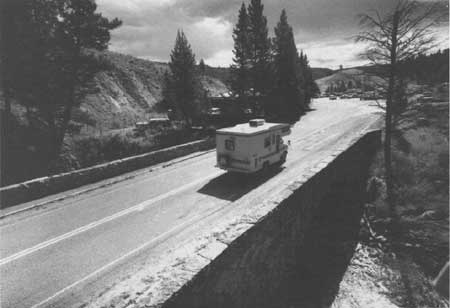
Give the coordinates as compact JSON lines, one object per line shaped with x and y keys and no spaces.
{"x":50,"y":45}
{"x":182,"y":82}
{"x":308,"y":84}
{"x":260,"y":54}
{"x":202,"y":67}
{"x":240,"y":74}
{"x":287,"y":104}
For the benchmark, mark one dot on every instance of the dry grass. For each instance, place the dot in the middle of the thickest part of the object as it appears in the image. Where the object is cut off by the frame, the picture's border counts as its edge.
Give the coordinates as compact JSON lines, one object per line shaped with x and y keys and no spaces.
{"x":420,"y":246}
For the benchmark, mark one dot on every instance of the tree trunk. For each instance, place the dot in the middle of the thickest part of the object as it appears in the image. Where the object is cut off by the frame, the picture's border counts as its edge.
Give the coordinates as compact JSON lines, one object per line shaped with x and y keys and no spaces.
{"x":388,"y":121}
{"x":52,"y":137}
{"x":5,"y":141}
{"x":67,"y":114}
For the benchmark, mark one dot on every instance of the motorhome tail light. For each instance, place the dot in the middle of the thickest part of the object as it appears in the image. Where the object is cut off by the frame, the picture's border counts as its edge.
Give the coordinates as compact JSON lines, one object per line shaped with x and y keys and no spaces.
{"x":223,"y":160}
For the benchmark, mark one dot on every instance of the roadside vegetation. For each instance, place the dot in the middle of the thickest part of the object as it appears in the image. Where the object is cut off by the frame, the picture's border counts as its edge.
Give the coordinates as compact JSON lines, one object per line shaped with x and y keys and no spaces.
{"x":403,"y":263}
{"x":406,"y":217}
{"x":50,"y":52}
{"x":88,"y":151}
{"x":398,"y":36}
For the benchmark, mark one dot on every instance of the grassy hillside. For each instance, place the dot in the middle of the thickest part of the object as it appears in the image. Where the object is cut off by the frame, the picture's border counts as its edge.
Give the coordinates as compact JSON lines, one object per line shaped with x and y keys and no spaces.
{"x":356,"y":76}
{"x":319,"y":72}
{"x":129,"y":89}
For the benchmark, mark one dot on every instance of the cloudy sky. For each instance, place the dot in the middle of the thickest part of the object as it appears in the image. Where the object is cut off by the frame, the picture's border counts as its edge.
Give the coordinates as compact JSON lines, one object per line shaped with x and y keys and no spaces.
{"x":322,"y":28}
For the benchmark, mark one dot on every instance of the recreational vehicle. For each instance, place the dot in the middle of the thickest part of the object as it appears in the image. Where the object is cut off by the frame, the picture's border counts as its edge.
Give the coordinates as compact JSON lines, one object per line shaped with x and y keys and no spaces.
{"x":251,"y":146}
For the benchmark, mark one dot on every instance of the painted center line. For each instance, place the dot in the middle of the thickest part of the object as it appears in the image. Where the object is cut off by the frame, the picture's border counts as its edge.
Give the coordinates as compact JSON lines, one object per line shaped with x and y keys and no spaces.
{"x":137,"y":207}
{"x":124,"y":257}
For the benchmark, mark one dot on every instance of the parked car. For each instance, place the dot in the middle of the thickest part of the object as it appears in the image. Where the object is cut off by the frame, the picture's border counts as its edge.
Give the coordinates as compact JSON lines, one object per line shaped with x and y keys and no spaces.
{"x":158,"y":122}
{"x":140,"y":128}
{"x":214,"y":111}
{"x":427,"y":97}
{"x":332,"y":97}
{"x":248,"y":111}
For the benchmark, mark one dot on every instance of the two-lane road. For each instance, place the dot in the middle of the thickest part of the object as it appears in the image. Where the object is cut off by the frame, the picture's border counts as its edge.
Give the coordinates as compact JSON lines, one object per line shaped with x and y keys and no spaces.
{"x":69,"y":250}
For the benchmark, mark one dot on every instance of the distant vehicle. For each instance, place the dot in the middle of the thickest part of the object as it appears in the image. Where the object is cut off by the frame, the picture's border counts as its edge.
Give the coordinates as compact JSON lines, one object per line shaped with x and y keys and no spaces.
{"x":368,"y":96}
{"x":252,"y":146}
{"x":427,"y":97}
{"x":140,"y":127}
{"x":333,"y":97}
{"x":214,"y":111}
{"x":158,"y":122}
{"x":248,"y":111}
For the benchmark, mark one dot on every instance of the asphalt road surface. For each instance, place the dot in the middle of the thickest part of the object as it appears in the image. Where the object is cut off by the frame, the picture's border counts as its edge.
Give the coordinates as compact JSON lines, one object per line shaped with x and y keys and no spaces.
{"x":63,"y":252}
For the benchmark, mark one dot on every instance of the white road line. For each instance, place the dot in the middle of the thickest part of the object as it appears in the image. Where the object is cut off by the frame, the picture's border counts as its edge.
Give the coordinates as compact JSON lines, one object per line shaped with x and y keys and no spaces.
{"x":137,"y":207}
{"x":125,"y":256}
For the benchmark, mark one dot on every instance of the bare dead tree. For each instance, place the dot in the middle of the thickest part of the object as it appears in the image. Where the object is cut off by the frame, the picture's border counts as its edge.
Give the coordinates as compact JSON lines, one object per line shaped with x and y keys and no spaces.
{"x":403,"y":33}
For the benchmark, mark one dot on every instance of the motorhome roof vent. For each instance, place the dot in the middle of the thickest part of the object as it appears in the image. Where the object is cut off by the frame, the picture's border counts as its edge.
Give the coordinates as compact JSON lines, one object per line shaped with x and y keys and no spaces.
{"x":256,"y":122}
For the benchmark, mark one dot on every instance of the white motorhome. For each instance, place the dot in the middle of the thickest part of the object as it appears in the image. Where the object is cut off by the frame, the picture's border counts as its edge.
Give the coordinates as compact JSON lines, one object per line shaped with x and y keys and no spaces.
{"x":252,"y":146}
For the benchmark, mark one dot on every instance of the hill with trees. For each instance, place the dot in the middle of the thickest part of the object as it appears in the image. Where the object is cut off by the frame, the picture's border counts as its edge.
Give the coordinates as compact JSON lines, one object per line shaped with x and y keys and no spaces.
{"x":342,"y":80}
{"x":320,"y":72}
{"x":127,"y":90}
{"x":422,"y":69}
{"x":427,"y":69}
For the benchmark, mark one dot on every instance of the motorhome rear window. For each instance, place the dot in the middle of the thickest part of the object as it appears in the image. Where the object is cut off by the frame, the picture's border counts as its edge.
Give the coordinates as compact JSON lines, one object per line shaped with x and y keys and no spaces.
{"x":267,"y":142}
{"x":229,"y":145}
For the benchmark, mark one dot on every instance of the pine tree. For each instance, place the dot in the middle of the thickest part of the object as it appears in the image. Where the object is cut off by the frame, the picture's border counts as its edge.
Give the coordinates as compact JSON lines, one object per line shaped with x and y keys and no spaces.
{"x":182,"y":83}
{"x":308,"y":84}
{"x":202,"y":67}
{"x":286,"y":103}
{"x":260,"y":56}
{"x":51,"y":45}
{"x":240,"y":75}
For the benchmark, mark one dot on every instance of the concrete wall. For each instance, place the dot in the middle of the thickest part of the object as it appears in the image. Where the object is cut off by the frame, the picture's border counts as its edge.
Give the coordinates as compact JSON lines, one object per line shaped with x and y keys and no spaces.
{"x":264,"y":267}
{"x":41,"y":187}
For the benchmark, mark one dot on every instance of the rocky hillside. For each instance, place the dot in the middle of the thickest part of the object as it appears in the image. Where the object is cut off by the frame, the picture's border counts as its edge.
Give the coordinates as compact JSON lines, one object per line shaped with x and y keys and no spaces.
{"x":128,"y":90}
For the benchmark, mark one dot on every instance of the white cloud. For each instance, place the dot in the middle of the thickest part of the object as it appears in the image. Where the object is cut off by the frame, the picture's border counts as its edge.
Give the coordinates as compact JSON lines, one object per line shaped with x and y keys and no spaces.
{"x":322,"y":27}
{"x":332,"y":54}
{"x":134,"y":4}
{"x":210,"y":37}
{"x":216,"y":27}
{"x":221,"y":58}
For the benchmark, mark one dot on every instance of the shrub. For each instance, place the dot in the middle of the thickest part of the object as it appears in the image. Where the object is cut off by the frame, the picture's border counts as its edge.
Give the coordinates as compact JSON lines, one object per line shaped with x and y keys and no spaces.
{"x":403,"y":167}
{"x":118,"y":147}
{"x":88,"y":151}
